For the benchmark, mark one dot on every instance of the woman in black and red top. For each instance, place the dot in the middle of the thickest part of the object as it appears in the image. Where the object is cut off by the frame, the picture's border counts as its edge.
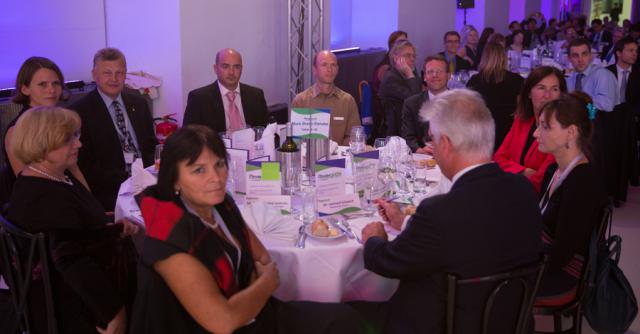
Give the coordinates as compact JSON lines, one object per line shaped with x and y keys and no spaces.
{"x":201,"y":268}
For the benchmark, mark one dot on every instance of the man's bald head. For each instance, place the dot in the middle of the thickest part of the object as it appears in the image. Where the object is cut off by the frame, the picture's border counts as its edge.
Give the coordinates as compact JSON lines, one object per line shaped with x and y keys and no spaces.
{"x":228,"y":68}
{"x":325,"y":67}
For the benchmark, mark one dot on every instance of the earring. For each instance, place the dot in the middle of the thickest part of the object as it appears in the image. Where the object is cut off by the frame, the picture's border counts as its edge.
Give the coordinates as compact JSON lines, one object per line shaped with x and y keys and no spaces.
{"x":177,"y":192}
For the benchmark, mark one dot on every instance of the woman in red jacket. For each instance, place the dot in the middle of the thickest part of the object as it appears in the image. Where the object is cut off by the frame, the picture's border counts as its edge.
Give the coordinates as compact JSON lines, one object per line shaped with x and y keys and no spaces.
{"x":519,"y":151}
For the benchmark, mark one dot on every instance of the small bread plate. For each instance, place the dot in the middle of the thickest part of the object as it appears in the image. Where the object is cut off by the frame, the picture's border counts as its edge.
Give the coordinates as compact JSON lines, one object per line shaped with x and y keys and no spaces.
{"x":336,"y":235}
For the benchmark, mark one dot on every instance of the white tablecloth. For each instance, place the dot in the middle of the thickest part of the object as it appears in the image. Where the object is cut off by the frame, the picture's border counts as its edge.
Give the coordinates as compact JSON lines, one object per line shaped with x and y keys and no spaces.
{"x":325,"y":271}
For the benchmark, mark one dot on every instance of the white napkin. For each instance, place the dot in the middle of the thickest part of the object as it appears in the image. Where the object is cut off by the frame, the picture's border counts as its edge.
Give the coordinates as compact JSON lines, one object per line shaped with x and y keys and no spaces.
{"x":265,"y":220}
{"x":267,"y":141}
{"x":333,"y":147}
{"x":140,"y":177}
{"x":396,"y":147}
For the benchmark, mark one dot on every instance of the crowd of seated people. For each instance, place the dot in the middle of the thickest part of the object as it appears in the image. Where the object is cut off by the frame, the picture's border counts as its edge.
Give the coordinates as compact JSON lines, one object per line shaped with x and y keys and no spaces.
{"x":528,"y":139}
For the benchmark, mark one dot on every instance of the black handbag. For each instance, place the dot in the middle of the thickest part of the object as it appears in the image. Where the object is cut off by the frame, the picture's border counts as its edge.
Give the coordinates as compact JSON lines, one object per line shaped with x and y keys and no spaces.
{"x":609,"y":305}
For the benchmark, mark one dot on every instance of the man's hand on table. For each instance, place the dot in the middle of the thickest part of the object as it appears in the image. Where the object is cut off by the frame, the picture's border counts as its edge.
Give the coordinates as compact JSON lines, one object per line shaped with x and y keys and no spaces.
{"x":390,"y":213}
{"x":425,"y":150}
{"x":375,"y":229}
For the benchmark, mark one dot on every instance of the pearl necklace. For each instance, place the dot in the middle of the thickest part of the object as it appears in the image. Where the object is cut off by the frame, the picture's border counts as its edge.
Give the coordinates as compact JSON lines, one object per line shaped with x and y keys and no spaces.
{"x":51,"y":177}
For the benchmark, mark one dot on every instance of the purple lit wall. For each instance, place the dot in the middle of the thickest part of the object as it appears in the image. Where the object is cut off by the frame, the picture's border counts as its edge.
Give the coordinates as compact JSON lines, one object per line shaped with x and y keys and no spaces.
{"x":362,"y":23}
{"x":69,"y":35}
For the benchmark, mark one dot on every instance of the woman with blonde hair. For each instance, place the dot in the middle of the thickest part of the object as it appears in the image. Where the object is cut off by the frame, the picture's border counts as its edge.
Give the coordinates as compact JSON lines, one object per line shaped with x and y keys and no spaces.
{"x":93,"y":259}
{"x":498,"y":87}
{"x":469,"y":48}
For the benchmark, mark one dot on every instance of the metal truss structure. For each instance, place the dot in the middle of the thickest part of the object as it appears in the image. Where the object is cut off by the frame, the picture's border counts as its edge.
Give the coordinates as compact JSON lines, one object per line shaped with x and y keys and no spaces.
{"x":306,"y":36}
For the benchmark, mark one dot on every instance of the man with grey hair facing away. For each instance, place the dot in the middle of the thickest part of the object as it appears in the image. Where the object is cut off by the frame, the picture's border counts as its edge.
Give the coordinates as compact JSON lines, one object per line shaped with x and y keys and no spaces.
{"x":488,"y":223}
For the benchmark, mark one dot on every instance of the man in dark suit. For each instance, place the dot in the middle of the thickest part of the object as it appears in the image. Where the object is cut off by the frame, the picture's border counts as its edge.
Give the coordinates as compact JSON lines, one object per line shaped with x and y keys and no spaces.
{"x":117,"y":128}
{"x":414,"y":130}
{"x":488,"y":223}
{"x":608,"y":52}
{"x":450,"y":53}
{"x":226,"y":104}
{"x":626,"y":51}
{"x":398,"y":83}
{"x":599,"y":36}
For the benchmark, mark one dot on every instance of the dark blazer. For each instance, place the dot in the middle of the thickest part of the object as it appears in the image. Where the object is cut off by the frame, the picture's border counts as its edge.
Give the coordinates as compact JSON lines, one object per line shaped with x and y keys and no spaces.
{"x":394,"y":89}
{"x":204,"y":106}
{"x":632,"y":97}
{"x":488,"y":223}
{"x":101,"y":159}
{"x":461,"y":63}
{"x":413,"y":129}
{"x":607,"y":37}
{"x":501,"y":99}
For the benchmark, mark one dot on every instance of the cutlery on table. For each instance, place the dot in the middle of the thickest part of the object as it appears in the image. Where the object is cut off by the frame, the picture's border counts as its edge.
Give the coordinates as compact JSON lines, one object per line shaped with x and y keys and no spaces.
{"x":302,"y":237}
{"x":344,"y":226}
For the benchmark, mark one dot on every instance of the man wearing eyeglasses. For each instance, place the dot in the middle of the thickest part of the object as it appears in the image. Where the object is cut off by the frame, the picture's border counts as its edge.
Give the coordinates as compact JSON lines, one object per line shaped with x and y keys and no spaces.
{"x":226,"y":104}
{"x":451,"y":45}
{"x":414,"y":130}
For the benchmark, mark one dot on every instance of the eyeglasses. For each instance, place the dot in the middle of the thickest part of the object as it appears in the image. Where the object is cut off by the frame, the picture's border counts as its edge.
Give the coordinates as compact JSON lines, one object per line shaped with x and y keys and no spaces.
{"x":452,"y":41}
{"x":435,"y":72}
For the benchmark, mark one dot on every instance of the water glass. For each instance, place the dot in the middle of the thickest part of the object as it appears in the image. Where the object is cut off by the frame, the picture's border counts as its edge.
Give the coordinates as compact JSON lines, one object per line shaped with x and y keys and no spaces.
{"x":357,"y":139}
{"x":157,"y":155}
{"x":386,"y":172}
{"x":420,"y":181}
{"x":290,"y":179}
{"x":307,"y":195}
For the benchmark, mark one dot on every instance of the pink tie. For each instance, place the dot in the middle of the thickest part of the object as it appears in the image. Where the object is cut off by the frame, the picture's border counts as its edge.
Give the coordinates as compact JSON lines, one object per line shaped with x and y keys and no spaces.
{"x":235,"y":121}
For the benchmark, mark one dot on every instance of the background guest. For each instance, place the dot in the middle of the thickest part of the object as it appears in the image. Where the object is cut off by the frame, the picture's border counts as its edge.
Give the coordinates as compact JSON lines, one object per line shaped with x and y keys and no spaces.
{"x":517,"y":41}
{"x":451,"y":44}
{"x":39,"y":83}
{"x":498,"y":39}
{"x":469,"y":49}
{"x":92,"y":279}
{"x":484,"y":39}
{"x":414,"y":129}
{"x":399,"y":83}
{"x":498,"y":87}
{"x":378,"y":73}
{"x":572,"y":196}
{"x":519,"y":151}
{"x":202,"y":270}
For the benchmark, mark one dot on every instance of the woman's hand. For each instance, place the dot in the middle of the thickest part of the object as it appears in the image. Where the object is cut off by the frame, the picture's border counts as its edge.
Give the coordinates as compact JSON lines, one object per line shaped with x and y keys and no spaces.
{"x":402,"y":67}
{"x":268,"y":273}
{"x":118,"y":325}
{"x":528,"y":172}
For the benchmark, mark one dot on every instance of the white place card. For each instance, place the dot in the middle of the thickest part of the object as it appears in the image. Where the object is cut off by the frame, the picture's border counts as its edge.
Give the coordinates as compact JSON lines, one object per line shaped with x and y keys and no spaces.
{"x":243,"y":139}
{"x":330,"y":177}
{"x":310,"y":122}
{"x":336,"y":205}
{"x":263,"y":178}
{"x":282,"y":202}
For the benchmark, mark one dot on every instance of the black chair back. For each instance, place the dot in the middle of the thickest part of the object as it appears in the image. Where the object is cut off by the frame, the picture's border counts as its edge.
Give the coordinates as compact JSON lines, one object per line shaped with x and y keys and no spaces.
{"x":574,"y":307}
{"x":522,"y":277}
{"x":20,"y":253}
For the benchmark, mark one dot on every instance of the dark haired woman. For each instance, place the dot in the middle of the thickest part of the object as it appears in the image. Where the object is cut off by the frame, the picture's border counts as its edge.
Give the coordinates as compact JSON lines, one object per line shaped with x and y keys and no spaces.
{"x":39,"y":84}
{"x":519,"y":153}
{"x":202,"y":270}
{"x":572,"y":197}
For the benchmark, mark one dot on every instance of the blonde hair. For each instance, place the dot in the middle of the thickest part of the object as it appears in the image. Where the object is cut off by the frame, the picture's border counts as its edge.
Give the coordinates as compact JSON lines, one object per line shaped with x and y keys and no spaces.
{"x":493,"y":64}
{"x":41,"y":130}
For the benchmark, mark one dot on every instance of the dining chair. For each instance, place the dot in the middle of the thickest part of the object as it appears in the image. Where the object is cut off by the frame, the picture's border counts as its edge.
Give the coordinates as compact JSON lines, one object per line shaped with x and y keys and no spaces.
{"x":526,"y":278}
{"x":24,"y":255}
{"x":574,"y":307}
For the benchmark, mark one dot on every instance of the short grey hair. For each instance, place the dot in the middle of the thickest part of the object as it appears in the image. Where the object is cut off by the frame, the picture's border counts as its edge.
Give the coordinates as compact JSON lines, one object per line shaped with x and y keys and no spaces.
{"x":397,"y":48}
{"x":461,"y":115}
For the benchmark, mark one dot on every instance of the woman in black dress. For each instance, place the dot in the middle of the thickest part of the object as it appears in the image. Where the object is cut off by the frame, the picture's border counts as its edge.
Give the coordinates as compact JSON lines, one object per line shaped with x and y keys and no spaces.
{"x":498,"y":87}
{"x":572,"y":195}
{"x":92,"y":279}
{"x":202,"y":270}
{"x":469,"y":50}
